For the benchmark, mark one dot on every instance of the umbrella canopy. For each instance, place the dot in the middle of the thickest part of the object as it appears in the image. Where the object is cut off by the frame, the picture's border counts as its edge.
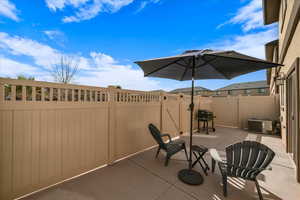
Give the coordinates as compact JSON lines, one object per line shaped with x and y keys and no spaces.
{"x":208,"y":64}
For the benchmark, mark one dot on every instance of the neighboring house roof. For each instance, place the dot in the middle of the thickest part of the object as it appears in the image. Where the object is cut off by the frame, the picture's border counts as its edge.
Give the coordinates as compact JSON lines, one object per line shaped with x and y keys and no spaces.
{"x":183,"y":90}
{"x":158,"y":91}
{"x":245,"y":85}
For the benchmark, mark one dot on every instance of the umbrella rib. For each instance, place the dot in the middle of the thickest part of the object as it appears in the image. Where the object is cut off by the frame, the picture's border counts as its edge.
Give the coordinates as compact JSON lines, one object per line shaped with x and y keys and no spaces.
{"x":183,"y":73}
{"x":244,"y":59}
{"x":186,"y":68}
{"x":215,"y":58}
{"x":181,"y":65}
{"x":206,"y":62}
{"x":221,"y":73}
{"x":158,"y":69}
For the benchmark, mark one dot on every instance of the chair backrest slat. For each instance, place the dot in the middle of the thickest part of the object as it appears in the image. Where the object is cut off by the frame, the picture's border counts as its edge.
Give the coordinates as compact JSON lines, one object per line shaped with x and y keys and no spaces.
{"x":229,"y":157}
{"x":236,"y":157}
{"x":254,"y":154}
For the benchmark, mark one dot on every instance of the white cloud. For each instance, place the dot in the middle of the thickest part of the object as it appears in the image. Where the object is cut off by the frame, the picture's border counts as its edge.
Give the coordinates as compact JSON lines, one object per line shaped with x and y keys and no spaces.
{"x":86,"y":9}
{"x":60,"y":4}
{"x":250,"y":44}
{"x":143,"y":4}
{"x":9,"y":10}
{"x":249,"y":16}
{"x":108,"y":71}
{"x":11,"y":68}
{"x":105,"y":70}
{"x":96,"y":69}
{"x":56,"y":36}
{"x":42,"y":55}
{"x":53,"y":34}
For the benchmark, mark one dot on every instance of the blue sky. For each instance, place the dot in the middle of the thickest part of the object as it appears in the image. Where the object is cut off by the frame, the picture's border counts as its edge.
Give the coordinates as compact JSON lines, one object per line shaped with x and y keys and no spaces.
{"x":105,"y":37}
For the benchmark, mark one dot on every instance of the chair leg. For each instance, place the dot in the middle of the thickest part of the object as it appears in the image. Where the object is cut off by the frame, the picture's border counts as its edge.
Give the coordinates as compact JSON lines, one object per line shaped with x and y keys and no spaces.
{"x":186,"y":155}
{"x":158,"y":150}
{"x":213,"y":165}
{"x":205,"y":163}
{"x":195,"y":162}
{"x":198,"y":160}
{"x":258,"y":190}
{"x":167,"y":160}
{"x":224,"y":178}
{"x":207,"y":127}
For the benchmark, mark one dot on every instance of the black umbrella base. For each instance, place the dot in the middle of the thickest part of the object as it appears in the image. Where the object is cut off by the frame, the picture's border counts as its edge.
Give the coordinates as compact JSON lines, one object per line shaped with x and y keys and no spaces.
{"x":190,"y":177}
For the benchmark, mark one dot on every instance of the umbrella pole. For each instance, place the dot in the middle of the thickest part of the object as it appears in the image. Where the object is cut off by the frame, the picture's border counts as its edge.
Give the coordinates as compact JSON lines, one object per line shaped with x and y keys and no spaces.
{"x":191,"y":122}
{"x":190,"y":176}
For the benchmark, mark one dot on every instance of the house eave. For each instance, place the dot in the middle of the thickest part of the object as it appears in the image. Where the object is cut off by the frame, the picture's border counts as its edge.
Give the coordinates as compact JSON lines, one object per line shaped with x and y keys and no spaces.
{"x":271,"y":11}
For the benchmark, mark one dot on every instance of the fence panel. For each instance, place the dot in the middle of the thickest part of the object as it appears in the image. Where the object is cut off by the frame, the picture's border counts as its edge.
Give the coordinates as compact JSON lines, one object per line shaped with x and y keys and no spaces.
{"x":171,"y":114}
{"x":133,"y":112}
{"x":261,"y":107}
{"x":226,"y":111}
{"x":49,"y":133}
{"x":185,"y":114}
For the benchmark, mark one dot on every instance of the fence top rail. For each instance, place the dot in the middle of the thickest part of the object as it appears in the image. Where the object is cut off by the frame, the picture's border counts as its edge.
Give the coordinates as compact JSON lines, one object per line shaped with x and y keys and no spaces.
{"x":11,"y":90}
{"x":137,"y":92}
{"x":32,"y":83}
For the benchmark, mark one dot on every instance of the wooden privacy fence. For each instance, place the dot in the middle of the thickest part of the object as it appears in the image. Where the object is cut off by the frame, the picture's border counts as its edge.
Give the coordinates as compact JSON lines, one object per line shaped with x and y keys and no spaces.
{"x":51,"y":132}
{"x":234,"y":111}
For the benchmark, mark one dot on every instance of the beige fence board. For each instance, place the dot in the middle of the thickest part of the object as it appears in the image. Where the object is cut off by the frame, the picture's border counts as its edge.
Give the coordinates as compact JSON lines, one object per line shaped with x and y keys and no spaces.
{"x":226,"y":111}
{"x":184,"y":116}
{"x":132,"y":134}
{"x":261,"y":107}
{"x":35,"y":153}
{"x":171,"y":116}
{"x":6,"y":154}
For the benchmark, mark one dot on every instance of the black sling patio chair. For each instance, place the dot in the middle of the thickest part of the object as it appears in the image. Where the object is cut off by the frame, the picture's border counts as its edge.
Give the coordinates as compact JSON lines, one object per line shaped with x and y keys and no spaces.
{"x":171,"y":147}
{"x":243,"y":160}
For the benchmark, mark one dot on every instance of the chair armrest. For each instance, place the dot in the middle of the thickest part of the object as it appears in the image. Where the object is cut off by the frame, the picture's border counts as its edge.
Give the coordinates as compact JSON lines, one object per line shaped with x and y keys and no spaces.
{"x":269,"y":168}
{"x":215,"y":155}
{"x":166,"y":135}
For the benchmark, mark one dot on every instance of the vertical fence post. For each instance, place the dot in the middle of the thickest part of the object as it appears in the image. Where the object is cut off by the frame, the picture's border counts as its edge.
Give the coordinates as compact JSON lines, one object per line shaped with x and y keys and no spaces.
{"x":239,"y":121}
{"x":162,"y":107}
{"x":33,"y":94}
{"x":24,"y":93}
{"x":42,"y":94}
{"x":13,"y":93}
{"x":111,"y":125}
{"x":2,"y":91}
{"x":51,"y":94}
{"x":180,"y":113}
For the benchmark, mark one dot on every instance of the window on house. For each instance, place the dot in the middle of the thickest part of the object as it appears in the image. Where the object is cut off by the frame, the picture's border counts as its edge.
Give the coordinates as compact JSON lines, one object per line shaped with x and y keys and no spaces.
{"x":247,"y":91}
{"x":261,"y":90}
{"x":229,"y":92}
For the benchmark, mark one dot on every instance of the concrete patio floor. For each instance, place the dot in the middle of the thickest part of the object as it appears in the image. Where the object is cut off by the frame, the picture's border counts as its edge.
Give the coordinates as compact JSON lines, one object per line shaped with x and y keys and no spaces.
{"x":143,"y":177}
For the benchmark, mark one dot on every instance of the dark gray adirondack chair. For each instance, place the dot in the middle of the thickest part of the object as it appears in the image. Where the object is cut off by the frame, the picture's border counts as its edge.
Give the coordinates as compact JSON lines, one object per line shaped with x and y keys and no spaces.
{"x":243,"y":160}
{"x":171,"y":148}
